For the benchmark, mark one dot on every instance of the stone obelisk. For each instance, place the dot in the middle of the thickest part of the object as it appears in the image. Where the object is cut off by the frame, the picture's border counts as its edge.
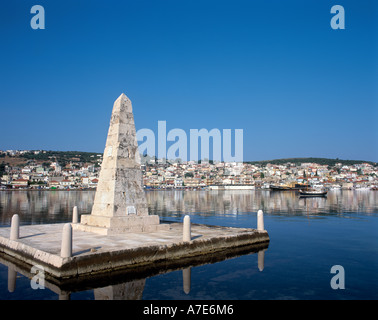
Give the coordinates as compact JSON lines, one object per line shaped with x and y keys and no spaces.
{"x":120,"y":204}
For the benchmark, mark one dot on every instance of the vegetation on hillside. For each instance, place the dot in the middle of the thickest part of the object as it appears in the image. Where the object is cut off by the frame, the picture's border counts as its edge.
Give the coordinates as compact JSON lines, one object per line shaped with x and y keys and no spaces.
{"x":321,"y":161}
{"x":64,"y":157}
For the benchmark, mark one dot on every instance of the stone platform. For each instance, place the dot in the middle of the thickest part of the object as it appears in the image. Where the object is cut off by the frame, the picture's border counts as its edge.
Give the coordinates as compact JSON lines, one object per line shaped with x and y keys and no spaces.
{"x":95,"y":254}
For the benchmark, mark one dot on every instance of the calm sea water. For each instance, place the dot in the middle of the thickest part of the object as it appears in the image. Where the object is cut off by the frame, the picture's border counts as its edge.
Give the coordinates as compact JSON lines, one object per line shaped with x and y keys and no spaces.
{"x":307,"y":237}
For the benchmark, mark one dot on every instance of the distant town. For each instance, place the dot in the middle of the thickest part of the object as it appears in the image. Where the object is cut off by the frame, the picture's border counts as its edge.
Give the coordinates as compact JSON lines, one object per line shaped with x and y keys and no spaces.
{"x":49,"y":170}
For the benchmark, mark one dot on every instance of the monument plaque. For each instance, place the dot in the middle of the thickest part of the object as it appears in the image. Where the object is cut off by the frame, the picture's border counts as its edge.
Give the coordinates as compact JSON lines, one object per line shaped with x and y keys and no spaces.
{"x":131,"y":210}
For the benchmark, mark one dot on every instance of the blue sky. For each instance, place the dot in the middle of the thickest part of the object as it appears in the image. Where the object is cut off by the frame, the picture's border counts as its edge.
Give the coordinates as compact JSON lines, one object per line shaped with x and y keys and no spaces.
{"x":275,"y":69}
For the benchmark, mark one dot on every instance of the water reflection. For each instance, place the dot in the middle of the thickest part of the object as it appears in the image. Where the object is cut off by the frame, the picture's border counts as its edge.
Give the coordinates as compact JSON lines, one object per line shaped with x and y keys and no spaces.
{"x":235,"y":202}
{"x":36,"y":207}
{"x":284,"y":266}
{"x":132,"y":290}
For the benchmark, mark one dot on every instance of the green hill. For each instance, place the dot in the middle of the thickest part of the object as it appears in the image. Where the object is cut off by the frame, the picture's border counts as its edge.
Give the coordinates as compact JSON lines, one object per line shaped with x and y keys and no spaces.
{"x":64,"y":157}
{"x":321,"y":161}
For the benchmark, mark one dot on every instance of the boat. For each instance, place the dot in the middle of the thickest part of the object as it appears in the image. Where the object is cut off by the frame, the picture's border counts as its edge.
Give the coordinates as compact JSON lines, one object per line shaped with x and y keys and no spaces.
{"x":288,"y":187}
{"x":280,"y":188}
{"x":312,"y":193}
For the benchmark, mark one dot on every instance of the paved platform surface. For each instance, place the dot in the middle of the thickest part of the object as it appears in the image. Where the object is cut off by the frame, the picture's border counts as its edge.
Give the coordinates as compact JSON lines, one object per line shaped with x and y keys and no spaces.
{"x":48,"y":238}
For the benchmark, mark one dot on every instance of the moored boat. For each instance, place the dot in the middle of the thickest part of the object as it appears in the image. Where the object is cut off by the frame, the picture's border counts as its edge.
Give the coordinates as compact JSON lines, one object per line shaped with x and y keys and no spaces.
{"x":312,"y":193}
{"x":288,"y":187}
{"x":280,"y":188}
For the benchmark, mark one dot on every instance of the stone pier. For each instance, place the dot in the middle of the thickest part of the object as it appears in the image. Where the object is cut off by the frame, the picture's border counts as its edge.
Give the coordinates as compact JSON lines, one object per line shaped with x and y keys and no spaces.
{"x":95,"y":254}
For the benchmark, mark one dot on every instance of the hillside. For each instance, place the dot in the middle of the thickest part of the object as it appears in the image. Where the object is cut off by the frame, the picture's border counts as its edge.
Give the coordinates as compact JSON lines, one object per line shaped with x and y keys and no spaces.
{"x":47,"y":157}
{"x":321,"y":161}
{"x":64,"y":157}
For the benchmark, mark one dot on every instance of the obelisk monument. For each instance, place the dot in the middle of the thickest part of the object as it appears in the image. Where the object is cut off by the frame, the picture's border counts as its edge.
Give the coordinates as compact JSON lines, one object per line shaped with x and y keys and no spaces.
{"x":120,"y":204}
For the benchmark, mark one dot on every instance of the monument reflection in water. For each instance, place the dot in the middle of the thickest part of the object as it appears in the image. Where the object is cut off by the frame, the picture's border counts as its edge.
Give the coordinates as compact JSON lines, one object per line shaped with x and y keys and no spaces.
{"x":228,"y":208}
